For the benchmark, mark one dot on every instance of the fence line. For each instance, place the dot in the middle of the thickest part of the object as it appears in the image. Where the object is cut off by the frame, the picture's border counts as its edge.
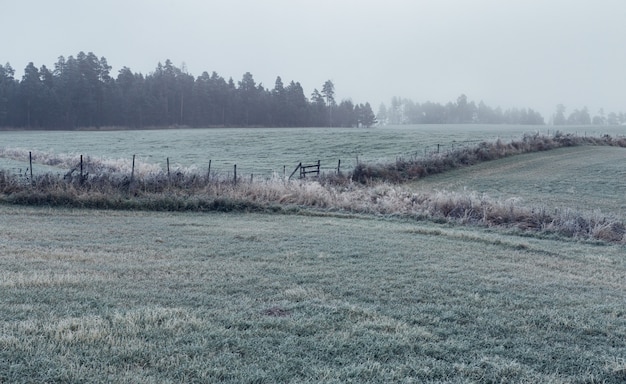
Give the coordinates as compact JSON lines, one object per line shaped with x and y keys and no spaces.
{"x":316,"y":169}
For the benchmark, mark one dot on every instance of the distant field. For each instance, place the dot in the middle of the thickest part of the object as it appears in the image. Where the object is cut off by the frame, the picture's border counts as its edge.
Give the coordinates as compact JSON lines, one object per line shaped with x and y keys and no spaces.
{"x":580,"y":178}
{"x":139,"y":297}
{"x":260,"y":151}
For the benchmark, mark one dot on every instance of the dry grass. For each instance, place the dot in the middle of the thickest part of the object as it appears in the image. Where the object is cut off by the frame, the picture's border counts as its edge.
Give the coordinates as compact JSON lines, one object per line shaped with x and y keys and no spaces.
{"x":378,"y":199}
{"x":191,"y":192}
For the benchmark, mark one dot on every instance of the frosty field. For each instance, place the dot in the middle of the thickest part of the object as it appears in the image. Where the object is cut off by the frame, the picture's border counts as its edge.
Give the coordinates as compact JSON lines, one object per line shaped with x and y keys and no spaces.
{"x":352,"y":285}
{"x":259,"y":151}
{"x":580,"y":178}
{"x":141,"y":297}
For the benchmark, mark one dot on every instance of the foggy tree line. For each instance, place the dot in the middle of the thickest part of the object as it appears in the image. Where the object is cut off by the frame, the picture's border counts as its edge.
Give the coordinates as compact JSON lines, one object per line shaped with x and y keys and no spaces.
{"x":582,"y":117}
{"x":406,"y":111}
{"x":81,"y":92}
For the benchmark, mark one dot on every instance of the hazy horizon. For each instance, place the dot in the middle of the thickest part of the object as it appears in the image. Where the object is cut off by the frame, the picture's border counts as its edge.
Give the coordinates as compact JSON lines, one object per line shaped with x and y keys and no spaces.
{"x":529,"y":54}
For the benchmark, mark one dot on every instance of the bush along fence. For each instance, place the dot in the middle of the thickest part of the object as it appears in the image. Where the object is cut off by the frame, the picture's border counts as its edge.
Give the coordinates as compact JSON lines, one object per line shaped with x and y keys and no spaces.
{"x":403,"y":170}
{"x":94,"y":175}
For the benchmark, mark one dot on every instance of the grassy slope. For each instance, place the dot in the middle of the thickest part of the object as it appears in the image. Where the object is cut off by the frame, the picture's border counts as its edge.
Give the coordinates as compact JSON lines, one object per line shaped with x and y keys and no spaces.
{"x":159,"y":297}
{"x":581,"y":178}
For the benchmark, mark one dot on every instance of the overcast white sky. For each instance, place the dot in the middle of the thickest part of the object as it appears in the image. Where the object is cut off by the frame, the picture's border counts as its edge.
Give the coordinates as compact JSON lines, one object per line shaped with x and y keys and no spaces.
{"x":511,"y":53}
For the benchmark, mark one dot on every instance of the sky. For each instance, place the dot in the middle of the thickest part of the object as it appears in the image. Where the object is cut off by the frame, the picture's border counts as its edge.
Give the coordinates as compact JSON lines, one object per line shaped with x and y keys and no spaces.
{"x":508,"y":53}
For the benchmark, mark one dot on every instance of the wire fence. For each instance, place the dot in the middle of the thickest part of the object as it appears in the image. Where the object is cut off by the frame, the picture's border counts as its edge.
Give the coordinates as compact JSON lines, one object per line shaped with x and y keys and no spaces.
{"x":84,"y":167}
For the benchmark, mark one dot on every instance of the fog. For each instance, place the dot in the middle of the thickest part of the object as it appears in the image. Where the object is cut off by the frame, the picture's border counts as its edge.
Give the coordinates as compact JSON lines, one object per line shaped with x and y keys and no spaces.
{"x":526,"y":54}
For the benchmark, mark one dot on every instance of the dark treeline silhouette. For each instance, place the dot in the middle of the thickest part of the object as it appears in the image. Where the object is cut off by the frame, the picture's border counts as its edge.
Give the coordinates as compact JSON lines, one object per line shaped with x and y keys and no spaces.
{"x":80,"y":92}
{"x":406,"y":111}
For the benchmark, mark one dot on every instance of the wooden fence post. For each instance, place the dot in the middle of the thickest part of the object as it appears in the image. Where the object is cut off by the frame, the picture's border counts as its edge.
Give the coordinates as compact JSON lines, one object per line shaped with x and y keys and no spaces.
{"x":339,"y":167}
{"x":235,"y":172}
{"x":81,"y":169}
{"x":208,"y":175}
{"x":30,"y":161}
{"x":168,"y":168}
{"x":132,"y":172}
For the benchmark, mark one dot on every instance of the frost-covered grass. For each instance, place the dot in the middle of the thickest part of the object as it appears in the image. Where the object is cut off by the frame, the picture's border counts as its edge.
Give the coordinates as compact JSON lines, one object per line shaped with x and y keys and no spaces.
{"x":258,"y":151}
{"x":578,"y":178}
{"x":418,"y":167}
{"x":581,"y":208}
{"x":141,"y":297}
{"x":351,"y":286}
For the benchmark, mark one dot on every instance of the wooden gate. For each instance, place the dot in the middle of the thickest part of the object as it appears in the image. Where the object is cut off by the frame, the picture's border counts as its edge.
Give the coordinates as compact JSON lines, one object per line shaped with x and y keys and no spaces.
{"x":307,"y":170}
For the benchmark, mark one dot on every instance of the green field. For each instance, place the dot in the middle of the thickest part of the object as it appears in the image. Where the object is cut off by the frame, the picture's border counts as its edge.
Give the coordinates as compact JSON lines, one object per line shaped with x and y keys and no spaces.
{"x":319,"y":295}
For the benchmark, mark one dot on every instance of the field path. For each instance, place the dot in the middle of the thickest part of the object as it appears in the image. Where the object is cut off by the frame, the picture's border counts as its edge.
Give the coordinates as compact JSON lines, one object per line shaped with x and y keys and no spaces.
{"x":582,"y":178}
